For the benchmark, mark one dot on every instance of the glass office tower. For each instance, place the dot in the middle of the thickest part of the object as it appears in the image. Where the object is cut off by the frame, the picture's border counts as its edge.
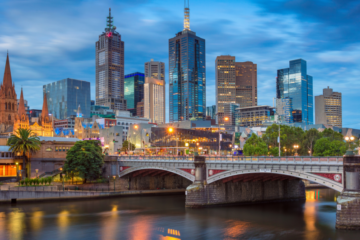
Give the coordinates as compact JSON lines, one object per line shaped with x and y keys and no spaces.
{"x":187,"y":79}
{"x":294,"y":83}
{"x":134,"y":90}
{"x":65,"y":96}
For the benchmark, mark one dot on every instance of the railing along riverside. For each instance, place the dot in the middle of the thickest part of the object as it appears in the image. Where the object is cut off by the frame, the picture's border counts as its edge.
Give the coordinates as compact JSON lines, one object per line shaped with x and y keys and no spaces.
{"x":291,"y":159}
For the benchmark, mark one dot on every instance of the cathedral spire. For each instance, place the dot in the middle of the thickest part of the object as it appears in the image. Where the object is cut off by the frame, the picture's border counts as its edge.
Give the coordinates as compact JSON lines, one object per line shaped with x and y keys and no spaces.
{"x":45,"y":111}
{"x":7,"y":81}
{"x":21,"y":109}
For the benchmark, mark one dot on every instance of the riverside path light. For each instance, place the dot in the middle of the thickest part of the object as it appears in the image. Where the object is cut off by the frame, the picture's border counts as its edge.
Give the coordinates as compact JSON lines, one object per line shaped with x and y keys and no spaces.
{"x":114,"y":182}
{"x":296,"y":147}
{"x":350,"y":139}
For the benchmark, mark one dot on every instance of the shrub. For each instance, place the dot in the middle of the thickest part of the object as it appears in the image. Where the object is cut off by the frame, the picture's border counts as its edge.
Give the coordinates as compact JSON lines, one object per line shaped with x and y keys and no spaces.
{"x":22,"y":182}
{"x":36,"y":180}
{"x":41,"y":180}
{"x":27,"y":181}
{"x":50,"y":180}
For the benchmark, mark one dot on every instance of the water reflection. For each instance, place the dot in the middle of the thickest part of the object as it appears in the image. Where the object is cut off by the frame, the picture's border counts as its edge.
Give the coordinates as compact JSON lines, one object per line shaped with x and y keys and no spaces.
{"x":165,"y":217}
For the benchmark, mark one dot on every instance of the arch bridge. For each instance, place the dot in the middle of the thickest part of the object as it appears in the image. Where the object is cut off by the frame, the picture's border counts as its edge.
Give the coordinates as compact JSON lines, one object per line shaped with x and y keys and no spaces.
{"x":327,"y":171}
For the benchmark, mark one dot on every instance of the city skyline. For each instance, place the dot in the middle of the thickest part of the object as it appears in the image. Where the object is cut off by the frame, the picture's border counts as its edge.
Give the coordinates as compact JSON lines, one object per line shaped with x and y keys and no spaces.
{"x":69,"y":51}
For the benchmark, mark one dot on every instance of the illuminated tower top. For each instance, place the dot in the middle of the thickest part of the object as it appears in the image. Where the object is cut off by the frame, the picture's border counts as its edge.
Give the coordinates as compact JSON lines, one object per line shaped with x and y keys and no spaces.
{"x":186,"y":15}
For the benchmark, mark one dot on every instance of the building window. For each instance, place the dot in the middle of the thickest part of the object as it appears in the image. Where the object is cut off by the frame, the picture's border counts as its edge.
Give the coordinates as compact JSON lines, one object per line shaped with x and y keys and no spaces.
{"x":49,"y":149}
{"x":101,"y":58}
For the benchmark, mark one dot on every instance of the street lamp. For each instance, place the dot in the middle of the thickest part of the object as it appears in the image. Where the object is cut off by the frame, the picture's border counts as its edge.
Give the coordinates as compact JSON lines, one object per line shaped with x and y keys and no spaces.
{"x":296,"y":147}
{"x":114,"y":182}
{"x":349,"y":152}
{"x":225,"y":119}
{"x":171,"y":130}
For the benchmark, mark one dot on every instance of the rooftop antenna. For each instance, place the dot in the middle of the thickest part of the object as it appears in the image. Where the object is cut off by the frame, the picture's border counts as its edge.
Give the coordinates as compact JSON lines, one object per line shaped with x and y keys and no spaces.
{"x":186,"y":15}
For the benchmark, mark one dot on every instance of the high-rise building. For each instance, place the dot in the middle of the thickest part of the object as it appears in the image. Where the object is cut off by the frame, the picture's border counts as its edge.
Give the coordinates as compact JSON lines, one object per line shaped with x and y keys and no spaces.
{"x":134,"y":90}
{"x":225,"y":84}
{"x":110,"y":68}
{"x":253,"y":116}
{"x":65,"y":96}
{"x":187,"y":79}
{"x":229,"y":113}
{"x":236,"y":82}
{"x":155,"y":70}
{"x":328,"y":108}
{"x":154,"y":100}
{"x":246,"y":84}
{"x":294,"y":83}
{"x":211,"y":111}
{"x":284,"y":109}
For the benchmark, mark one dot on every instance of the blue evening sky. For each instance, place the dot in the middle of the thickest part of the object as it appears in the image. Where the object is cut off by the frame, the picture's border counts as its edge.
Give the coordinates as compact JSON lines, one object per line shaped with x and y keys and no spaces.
{"x":53,"y":40}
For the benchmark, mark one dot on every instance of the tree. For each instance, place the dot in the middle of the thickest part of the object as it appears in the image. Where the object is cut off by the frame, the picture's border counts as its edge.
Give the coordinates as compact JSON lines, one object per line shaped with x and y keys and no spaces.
{"x":255,"y":146}
{"x":25,"y":142}
{"x":332,"y":135}
{"x":85,"y":159}
{"x":125,"y":146}
{"x":309,"y":139}
{"x":325,"y":147}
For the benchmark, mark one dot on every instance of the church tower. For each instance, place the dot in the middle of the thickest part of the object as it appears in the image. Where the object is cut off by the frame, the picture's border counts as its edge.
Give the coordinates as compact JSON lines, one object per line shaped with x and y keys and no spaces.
{"x":21,"y":119}
{"x":8,"y":100}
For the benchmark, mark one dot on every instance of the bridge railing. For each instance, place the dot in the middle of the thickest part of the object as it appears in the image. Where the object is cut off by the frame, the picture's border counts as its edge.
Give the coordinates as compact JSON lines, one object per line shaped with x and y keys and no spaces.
{"x":292,"y":159}
{"x":157,"y":158}
{"x":304,"y":159}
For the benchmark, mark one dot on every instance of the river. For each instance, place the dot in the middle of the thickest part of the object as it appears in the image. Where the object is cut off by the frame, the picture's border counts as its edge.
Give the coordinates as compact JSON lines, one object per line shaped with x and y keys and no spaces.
{"x":165,"y":217}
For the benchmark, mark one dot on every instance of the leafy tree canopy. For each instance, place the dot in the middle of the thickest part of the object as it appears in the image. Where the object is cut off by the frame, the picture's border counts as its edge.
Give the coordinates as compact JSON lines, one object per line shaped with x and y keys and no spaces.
{"x":255,"y":146}
{"x":126,"y":147}
{"x":85,"y":159}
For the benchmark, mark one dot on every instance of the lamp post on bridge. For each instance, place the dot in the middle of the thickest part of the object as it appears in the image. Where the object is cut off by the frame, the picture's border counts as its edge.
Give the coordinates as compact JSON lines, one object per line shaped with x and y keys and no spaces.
{"x":350,"y":139}
{"x":296,"y":147}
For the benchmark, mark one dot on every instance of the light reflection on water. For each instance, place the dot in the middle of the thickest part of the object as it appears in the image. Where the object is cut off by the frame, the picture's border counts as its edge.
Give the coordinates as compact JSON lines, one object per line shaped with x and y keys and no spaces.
{"x":165,"y":218}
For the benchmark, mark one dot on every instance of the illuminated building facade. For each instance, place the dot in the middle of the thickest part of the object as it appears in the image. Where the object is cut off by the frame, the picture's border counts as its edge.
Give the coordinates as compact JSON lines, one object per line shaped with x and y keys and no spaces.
{"x":253,"y":116}
{"x":134,"y":90}
{"x":211,"y":112}
{"x":328,"y":108}
{"x":208,"y":140}
{"x":110,"y":68}
{"x":42,"y":127}
{"x":65,"y":96}
{"x":294,"y":83}
{"x":154,"y":100}
{"x":236,"y":83}
{"x":187,"y":74}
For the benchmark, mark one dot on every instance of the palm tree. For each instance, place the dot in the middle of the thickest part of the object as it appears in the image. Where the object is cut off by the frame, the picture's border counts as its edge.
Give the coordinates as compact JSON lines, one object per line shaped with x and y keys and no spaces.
{"x":24,"y":142}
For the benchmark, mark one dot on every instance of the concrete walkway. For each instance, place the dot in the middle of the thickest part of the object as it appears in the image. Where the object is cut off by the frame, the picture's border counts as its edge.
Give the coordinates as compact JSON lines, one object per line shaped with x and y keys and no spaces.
{"x":23,"y":195}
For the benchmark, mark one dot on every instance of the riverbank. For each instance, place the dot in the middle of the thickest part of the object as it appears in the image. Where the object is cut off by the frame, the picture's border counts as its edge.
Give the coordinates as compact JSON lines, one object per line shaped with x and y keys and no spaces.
{"x":14,"y":196}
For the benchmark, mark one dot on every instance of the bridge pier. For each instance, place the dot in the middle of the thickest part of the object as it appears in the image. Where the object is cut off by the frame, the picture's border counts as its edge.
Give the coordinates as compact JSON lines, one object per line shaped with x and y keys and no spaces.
{"x":201,"y":194}
{"x":348,"y":203}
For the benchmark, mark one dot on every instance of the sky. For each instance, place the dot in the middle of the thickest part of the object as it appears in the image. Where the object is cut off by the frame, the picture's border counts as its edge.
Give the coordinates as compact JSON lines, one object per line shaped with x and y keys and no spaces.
{"x":52,"y":40}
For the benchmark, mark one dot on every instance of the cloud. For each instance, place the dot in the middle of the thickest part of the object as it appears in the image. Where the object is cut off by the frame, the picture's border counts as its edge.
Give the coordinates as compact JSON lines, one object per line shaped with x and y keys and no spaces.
{"x":53,"y":40}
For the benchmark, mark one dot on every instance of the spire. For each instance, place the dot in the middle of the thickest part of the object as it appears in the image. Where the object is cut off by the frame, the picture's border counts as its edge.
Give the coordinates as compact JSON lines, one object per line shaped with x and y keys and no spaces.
{"x":7,"y":81}
{"x":45,"y":111}
{"x":79,"y":114}
{"x":109,"y":20}
{"x":21,"y":109}
{"x":186,"y":15}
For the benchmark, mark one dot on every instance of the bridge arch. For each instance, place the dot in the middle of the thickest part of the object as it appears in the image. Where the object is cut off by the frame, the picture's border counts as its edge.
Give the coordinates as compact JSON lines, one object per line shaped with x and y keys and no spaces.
{"x":301,"y":175}
{"x":176,"y":171}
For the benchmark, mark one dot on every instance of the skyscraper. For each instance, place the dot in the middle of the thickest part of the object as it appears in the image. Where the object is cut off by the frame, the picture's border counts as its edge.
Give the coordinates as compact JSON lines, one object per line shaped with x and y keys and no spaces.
{"x":154,"y":69}
{"x":328,"y":108}
{"x":110,"y":68}
{"x":65,"y":96}
{"x":294,"y":83}
{"x":236,"y":82}
{"x":134,"y":90}
{"x":154,"y":100}
{"x":187,"y":79}
{"x":246,"y":83}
